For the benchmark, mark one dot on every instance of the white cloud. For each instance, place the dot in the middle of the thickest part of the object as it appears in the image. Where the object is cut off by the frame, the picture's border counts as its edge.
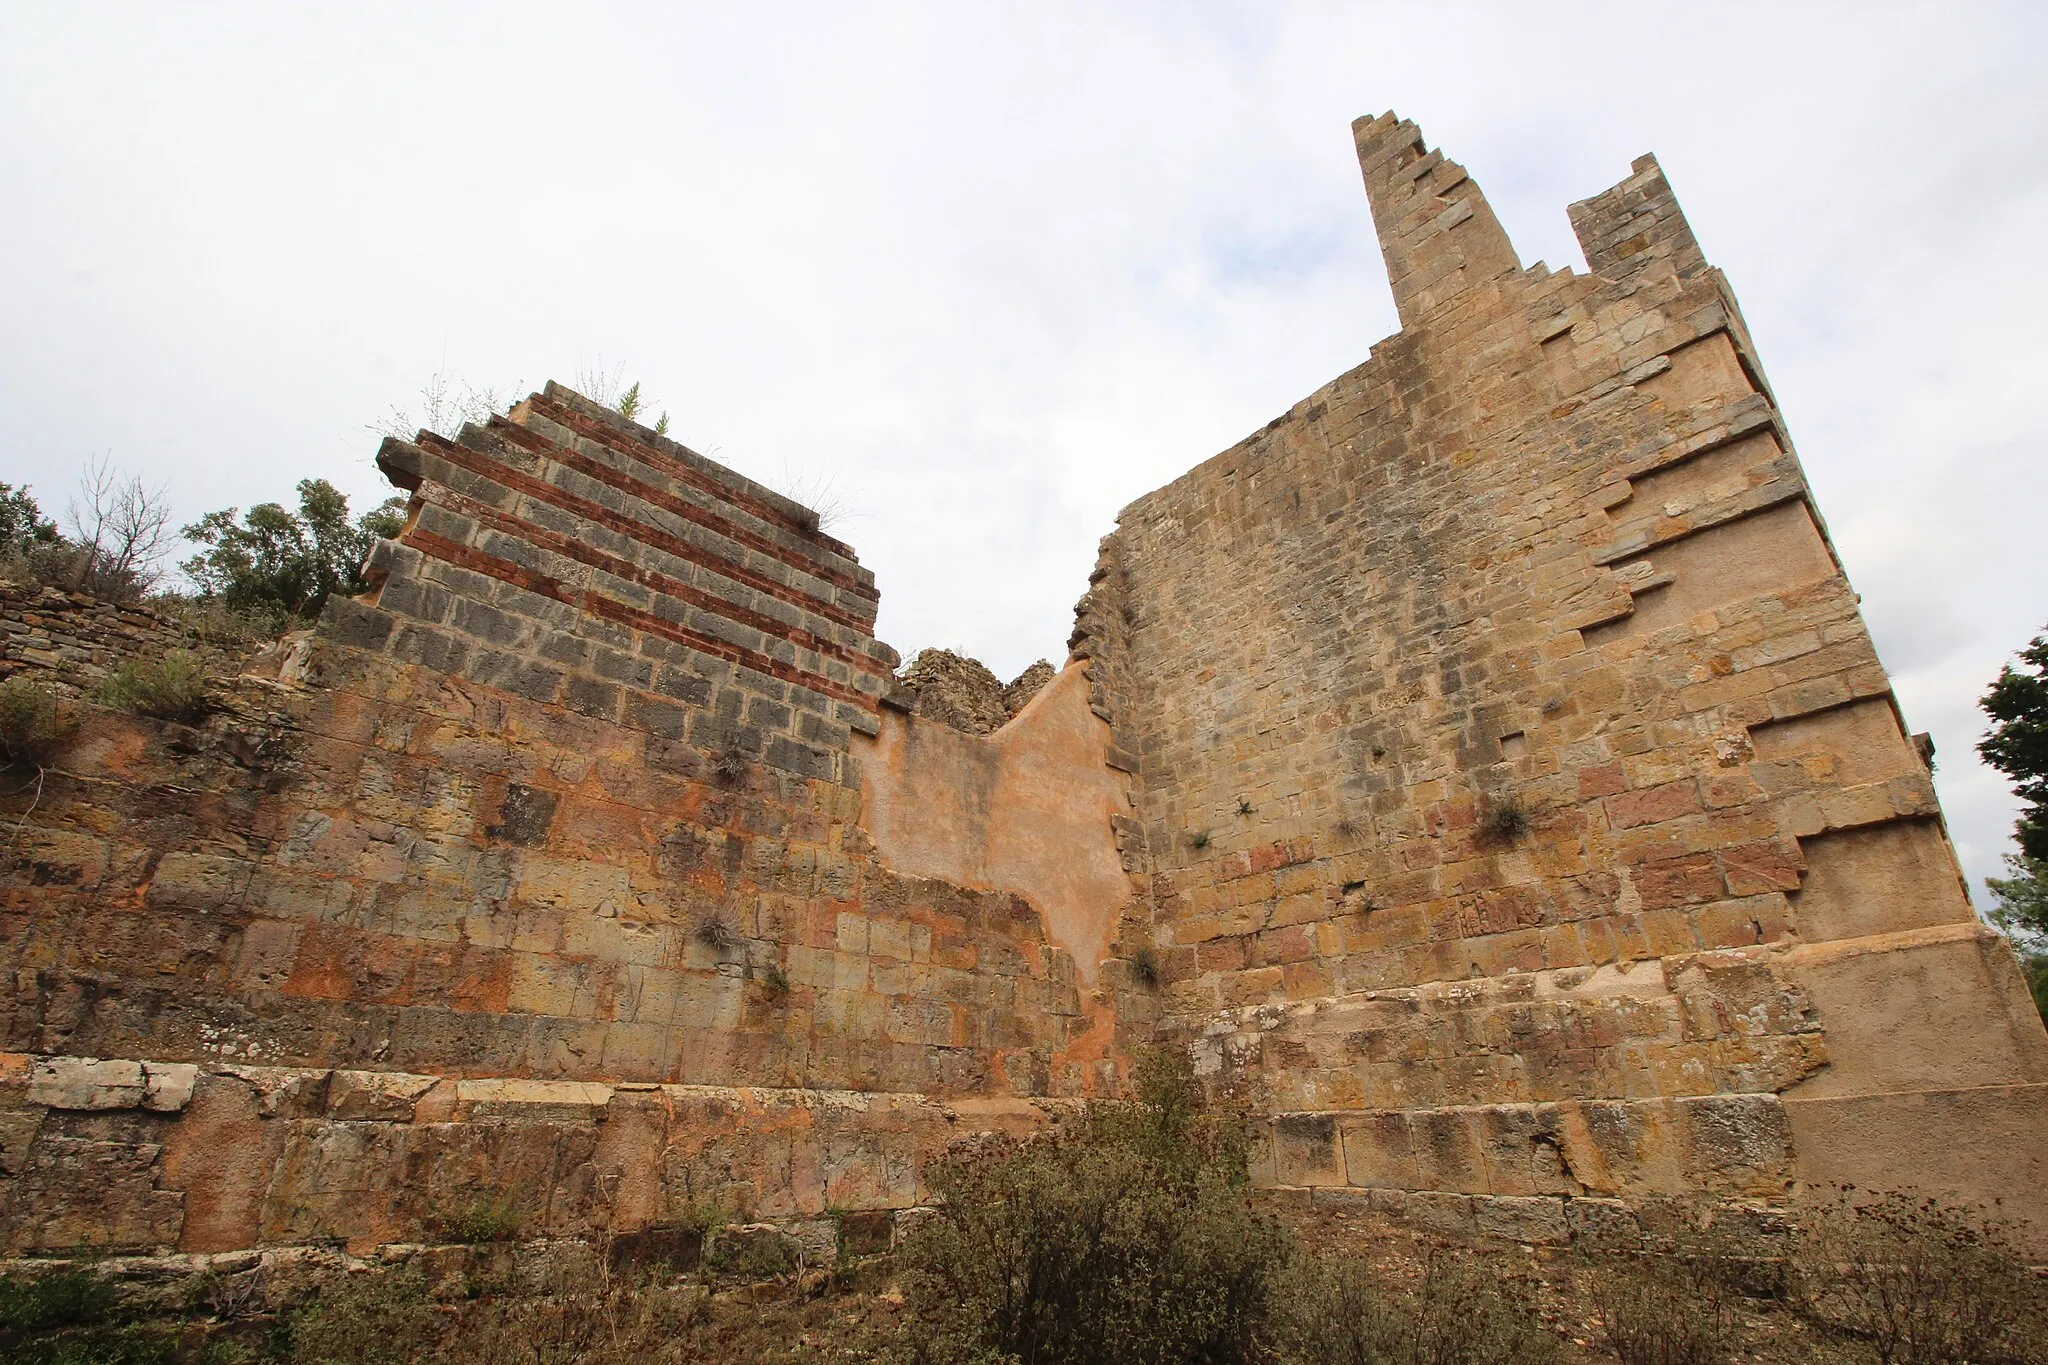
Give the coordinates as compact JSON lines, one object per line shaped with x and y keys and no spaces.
{"x":999,"y":269}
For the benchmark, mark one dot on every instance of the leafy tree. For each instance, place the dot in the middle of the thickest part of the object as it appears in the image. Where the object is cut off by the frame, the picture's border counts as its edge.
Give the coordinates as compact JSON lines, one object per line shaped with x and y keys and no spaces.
{"x":21,"y":521}
{"x":275,"y":562}
{"x":2017,"y":745}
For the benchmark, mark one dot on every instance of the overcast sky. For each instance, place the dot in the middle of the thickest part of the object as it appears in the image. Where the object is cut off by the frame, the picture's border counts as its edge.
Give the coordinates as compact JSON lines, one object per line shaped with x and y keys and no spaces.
{"x":991,"y":271}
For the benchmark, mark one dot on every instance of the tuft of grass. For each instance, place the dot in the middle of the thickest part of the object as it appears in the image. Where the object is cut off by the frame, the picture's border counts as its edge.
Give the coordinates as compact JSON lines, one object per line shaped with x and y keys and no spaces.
{"x":776,"y":979}
{"x":31,"y":730}
{"x":1199,"y":838}
{"x":1145,"y":965}
{"x":1348,"y":826}
{"x":1244,"y":807}
{"x":170,"y":688}
{"x":1503,"y":822}
{"x":716,"y":929}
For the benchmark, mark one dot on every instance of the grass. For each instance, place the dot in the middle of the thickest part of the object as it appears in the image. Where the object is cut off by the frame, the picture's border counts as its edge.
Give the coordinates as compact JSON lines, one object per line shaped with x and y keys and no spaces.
{"x":1145,"y":965}
{"x":170,"y":688}
{"x":1199,"y":838}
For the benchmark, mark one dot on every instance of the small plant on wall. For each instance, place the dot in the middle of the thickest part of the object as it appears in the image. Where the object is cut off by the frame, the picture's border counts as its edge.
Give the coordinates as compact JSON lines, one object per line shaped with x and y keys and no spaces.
{"x":729,"y":766}
{"x":1503,"y":822}
{"x":1198,"y":838}
{"x":716,"y":930}
{"x":1145,"y":965}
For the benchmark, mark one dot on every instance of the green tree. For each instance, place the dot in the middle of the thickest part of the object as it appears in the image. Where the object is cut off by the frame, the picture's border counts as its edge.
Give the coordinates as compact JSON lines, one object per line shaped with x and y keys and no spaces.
{"x":2017,"y":745}
{"x":22,"y":522}
{"x":274,"y":562}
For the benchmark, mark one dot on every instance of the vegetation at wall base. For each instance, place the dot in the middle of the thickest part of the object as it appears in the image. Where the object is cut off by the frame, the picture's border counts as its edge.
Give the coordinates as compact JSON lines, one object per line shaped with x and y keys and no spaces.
{"x":170,"y":688}
{"x":1132,"y":1233}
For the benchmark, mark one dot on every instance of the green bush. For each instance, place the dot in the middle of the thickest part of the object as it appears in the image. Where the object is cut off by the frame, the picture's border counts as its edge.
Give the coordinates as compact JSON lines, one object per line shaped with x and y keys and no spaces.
{"x":171,"y":688}
{"x":1918,"y":1282}
{"x":1127,"y":1238}
{"x":30,"y":727}
{"x":1459,"y":1313}
{"x":60,"y":1298}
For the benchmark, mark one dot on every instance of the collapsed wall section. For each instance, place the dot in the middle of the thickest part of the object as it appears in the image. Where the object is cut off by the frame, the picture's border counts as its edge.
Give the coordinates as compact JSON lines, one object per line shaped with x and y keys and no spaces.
{"x":1530,"y":815}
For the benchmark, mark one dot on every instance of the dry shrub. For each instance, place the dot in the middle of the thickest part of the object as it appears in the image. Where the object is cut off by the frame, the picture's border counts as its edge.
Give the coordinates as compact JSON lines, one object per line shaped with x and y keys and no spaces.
{"x":369,"y":1318}
{"x":1917,"y":1282}
{"x":1127,"y":1237}
{"x":1460,"y":1313}
{"x":717,"y":930}
{"x":588,"y":1316}
{"x":170,"y":688}
{"x":1664,"y":1310}
{"x":30,"y":727}
{"x":1503,"y":822}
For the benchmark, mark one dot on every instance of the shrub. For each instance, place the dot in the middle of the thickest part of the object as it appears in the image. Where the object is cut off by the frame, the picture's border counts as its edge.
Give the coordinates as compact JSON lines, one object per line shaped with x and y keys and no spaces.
{"x":1918,"y":1282}
{"x":30,"y":728}
{"x":1460,"y":1313}
{"x":1664,"y":1310}
{"x":479,"y":1220}
{"x":366,"y":1319}
{"x":1127,"y":1237}
{"x":1145,"y":965}
{"x":61,"y":1298}
{"x":171,"y":688}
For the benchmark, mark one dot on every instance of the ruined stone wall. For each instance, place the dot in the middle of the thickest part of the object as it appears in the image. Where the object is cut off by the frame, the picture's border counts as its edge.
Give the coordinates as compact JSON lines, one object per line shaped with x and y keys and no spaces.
{"x":1529,"y":813}
{"x":546,"y":849}
{"x":1485,"y":766}
{"x":74,"y":639}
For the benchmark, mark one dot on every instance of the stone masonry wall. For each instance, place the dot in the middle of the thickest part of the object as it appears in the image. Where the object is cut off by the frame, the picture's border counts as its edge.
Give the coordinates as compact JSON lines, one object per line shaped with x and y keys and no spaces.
{"x":1529,"y":815}
{"x":75,"y":639}
{"x":547,"y":845}
{"x":1485,"y":766}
